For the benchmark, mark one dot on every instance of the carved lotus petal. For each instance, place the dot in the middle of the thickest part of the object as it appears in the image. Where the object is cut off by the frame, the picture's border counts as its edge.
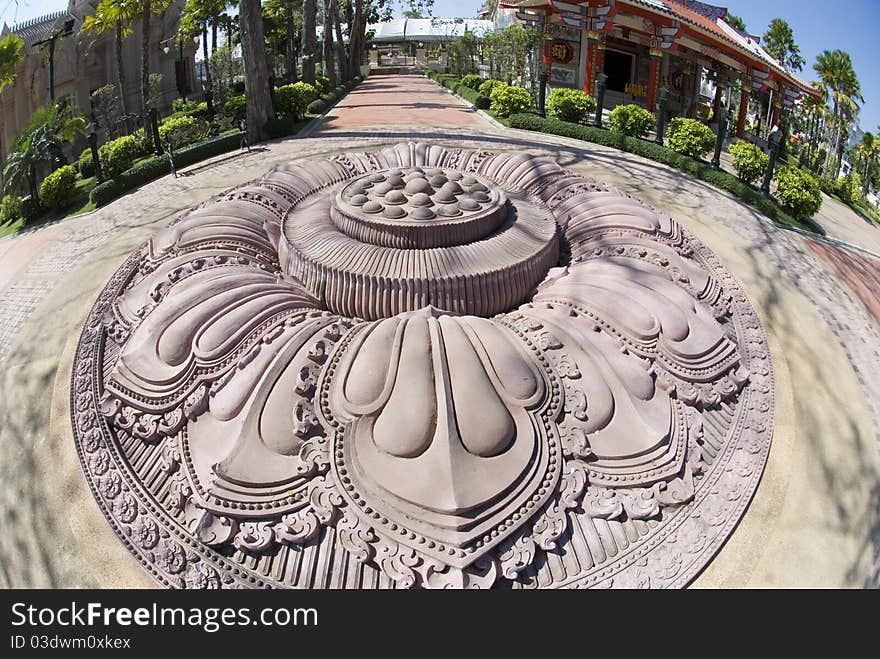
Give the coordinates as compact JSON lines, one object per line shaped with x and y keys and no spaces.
{"x":441,"y":416}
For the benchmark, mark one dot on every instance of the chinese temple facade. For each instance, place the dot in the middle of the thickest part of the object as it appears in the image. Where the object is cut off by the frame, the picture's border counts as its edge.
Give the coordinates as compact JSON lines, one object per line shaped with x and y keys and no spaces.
{"x":642,"y":46}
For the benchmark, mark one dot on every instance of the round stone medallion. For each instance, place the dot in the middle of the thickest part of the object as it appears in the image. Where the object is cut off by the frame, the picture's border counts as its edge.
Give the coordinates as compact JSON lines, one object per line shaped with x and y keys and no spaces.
{"x":423,"y":367}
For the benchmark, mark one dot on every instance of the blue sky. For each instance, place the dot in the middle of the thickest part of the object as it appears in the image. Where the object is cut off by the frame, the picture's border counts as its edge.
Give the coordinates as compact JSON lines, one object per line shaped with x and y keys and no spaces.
{"x":851,"y":25}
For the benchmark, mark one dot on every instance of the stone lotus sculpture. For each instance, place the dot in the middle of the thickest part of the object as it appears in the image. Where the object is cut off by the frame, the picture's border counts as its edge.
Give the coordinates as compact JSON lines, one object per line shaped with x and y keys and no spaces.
{"x":423,"y":367}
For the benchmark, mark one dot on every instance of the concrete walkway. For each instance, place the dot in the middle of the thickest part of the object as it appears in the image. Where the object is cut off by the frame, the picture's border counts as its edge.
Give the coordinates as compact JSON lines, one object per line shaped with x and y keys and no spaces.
{"x":813,"y":521}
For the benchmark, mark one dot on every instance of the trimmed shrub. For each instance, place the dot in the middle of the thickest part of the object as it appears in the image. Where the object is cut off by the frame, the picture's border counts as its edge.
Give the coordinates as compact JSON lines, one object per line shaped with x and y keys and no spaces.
{"x":308,"y":92}
{"x":85,"y":164}
{"x":236,"y":106}
{"x":56,"y":189}
{"x":294,"y":99}
{"x":473,"y":81}
{"x":572,"y":105}
{"x":190,"y":108}
{"x":487,"y":86}
{"x":316,"y":107}
{"x":849,"y":188}
{"x":183,"y":105}
{"x":697,"y":168}
{"x":798,"y":191}
{"x":341,"y":91}
{"x":827,"y":186}
{"x":182,"y":130}
{"x":30,"y":207}
{"x":118,"y":155}
{"x":748,"y":160}
{"x":10,"y":209}
{"x":689,"y":137}
{"x":631,"y":120}
{"x":509,"y":100}
{"x":140,"y":139}
{"x":322,"y":84}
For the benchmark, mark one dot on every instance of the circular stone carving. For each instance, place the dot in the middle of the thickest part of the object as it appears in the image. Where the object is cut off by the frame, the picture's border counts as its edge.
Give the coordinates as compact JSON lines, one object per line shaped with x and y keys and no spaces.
{"x":392,"y":241}
{"x":607,"y":429}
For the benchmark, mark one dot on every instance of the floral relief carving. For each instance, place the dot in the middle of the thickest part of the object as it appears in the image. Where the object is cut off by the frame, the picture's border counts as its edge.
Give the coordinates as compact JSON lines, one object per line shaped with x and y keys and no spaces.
{"x":448,"y":367}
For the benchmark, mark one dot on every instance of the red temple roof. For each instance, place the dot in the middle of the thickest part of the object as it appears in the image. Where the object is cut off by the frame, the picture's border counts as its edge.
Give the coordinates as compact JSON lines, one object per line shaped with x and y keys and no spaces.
{"x":707,"y":20}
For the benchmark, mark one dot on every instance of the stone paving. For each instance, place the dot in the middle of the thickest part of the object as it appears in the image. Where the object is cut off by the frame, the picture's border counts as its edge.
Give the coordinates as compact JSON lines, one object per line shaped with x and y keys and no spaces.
{"x":818,"y":302}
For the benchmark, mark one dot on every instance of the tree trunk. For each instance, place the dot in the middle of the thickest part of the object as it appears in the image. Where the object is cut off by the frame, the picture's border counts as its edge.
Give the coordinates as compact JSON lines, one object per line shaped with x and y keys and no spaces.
{"x":356,"y":40}
{"x":253,"y":50}
{"x":209,"y":83}
{"x":329,"y":56}
{"x":120,"y":73}
{"x":309,"y":41}
{"x":290,"y":47}
{"x":145,"y":72}
{"x":213,"y":35}
{"x":342,"y":60}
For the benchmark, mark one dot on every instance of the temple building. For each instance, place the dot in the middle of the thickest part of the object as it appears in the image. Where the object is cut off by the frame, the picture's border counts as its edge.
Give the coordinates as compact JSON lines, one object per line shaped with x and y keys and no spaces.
{"x":643,"y":46}
{"x":85,"y":62}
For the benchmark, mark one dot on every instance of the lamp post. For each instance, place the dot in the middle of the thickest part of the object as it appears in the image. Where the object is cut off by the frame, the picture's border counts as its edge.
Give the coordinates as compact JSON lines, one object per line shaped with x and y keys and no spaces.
{"x":774,"y":139}
{"x":719,"y":137}
{"x":661,"y":115}
{"x":66,"y":30}
{"x":601,"y":79}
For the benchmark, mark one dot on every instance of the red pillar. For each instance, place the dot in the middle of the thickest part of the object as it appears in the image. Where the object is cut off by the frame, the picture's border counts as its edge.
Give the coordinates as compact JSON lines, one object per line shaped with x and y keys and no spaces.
{"x":588,"y":69}
{"x":743,"y":109}
{"x":653,"y":81}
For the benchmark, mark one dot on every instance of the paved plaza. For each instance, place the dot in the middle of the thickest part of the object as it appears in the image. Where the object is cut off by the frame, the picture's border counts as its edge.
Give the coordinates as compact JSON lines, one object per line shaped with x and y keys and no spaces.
{"x":814,"y":518}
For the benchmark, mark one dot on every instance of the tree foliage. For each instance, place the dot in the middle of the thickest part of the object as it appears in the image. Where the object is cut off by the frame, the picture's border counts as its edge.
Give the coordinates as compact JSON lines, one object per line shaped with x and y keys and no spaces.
{"x":779,"y":42}
{"x":11,"y":53}
{"x":736,"y":22}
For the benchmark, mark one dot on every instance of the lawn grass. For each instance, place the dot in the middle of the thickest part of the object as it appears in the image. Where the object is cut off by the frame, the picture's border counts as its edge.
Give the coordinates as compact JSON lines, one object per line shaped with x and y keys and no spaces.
{"x":79,"y":204}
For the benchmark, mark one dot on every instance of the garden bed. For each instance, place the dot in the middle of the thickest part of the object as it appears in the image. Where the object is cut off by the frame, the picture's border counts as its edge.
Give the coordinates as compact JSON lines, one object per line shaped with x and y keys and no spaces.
{"x":697,"y":168}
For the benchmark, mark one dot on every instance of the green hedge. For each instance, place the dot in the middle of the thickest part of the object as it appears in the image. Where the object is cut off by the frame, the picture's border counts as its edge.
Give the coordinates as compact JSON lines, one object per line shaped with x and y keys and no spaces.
{"x":473,"y":97}
{"x":457,"y":86}
{"x":157,"y":166}
{"x":696,"y":168}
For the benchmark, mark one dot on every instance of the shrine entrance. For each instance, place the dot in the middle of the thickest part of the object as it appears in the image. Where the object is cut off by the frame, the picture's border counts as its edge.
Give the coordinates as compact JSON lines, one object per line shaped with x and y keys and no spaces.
{"x":619,"y":69}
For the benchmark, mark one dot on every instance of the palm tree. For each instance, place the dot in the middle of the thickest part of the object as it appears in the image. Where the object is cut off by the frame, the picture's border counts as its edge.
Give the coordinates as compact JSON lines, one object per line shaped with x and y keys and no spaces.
{"x":258,"y":96}
{"x":11,"y":53}
{"x":31,"y":152}
{"x":779,"y":42}
{"x":41,"y":142}
{"x":148,"y":8}
{"x":116,"y":15}
{"x":197,"y":15}
{"x":836,"y":72}
{"x":868,"y":149}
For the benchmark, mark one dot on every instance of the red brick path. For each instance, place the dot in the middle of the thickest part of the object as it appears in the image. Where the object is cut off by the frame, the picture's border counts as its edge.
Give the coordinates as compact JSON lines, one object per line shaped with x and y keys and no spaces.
{"x":861,"y":274}
{"x":400,"y":100}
